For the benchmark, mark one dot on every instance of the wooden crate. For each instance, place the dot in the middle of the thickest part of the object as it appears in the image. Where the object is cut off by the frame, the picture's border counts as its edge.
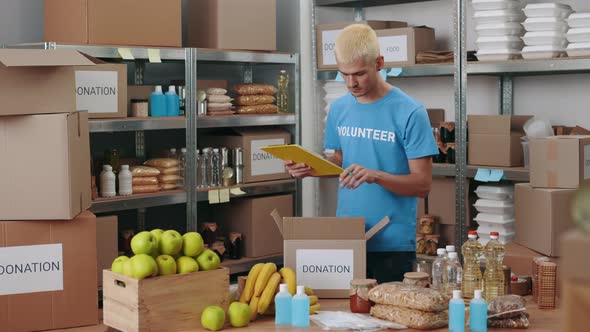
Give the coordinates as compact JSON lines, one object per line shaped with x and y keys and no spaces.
{"x":169,"y":303}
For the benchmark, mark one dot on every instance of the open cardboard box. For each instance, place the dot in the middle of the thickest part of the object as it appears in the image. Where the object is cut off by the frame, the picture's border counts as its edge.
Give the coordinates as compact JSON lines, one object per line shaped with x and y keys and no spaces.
{"x":326,"y":253}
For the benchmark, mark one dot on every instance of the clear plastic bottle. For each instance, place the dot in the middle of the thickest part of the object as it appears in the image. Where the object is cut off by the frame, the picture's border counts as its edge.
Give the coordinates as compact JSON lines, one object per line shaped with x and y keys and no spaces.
{"x":182,"y":165}
{"x":173,"y":154}
{"x":108,"y":187}
{"x":206,"y":168}
{"x":493,"y":277}
{"x":438,"y":268}
{"x":215,"y":168}
{"x":283,"y":91}
{"x":172,"y":102}
{"x":449,"y":249}
{"x":300,"y":308}
{"x":157,"y":102}
{"x":453,"y":274}
{"x":125,"y":181}
{"x":283,"y":301}
{"x":198,"y":167}
{"x":471,"y":251}
{"x":478,"y":313}
{"x":457,"y":313}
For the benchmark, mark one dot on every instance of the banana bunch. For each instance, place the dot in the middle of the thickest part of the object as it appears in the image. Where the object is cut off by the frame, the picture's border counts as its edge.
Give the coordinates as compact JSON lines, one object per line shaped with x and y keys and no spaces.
{"x":262,"y":284}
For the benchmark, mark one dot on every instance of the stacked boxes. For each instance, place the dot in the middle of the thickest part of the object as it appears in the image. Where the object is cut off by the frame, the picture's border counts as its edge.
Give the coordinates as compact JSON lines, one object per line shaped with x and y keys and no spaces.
{"x":578,"y":34}
{"x":496,"y":212}
{"x":545,"y":25}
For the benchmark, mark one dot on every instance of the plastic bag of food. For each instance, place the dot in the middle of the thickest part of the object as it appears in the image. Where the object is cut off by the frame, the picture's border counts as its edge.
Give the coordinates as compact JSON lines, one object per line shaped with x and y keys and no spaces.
{"x":169,"y":178}
{"x":169,"y":170}
{"x":258,"y":109}
{"x":409,"y":296}
{"x":215,"y":91}
{"x":218,"y":105}
{"x":162,"y":162}
{"x":340,"y":320}
{"x":518,"y":322}
{"x":144,"y":180}
{"x":218,"y":99}
{"x":255,"y":100}
{"x":506,"y":306}
{"x":146,"y":189}
{"x":168,"y":186}
{"x":139,"y":171}
{"x":415,"y":319}
{"x":254,"y":89}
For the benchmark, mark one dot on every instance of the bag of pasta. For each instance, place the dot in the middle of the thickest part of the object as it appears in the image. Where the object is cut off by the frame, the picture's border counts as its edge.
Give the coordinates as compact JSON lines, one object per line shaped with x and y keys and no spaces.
{"x":415,"y":319}
{"x":141,"y":171}
{"x":258,"y":109}
{"x":162,"y":162}
{"x":254,"y":89}
{"x":255,"y":100}
{"x":409,"y":296}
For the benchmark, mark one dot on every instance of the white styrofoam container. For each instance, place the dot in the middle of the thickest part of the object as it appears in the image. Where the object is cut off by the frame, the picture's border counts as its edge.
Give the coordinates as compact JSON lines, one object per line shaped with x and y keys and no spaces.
{"x":534,"y":38}
{"x":502,"y":229}
{"x":545,"y":24}
{"x":547,"y":10}
{"x":494,"y":218}
{"x":503,"y":238}
{"x":498,"y":16}
{"x":578,"y":49}
{"x":499,"y":29}
{"x":498,"y":193}
{"x":542,"y":52}
{"x":578,"y":35}
{"x":501,"y":54}
{"x":579,"y":20}
{"x":511,"y":42}
{"x":495,"y":207}
{"x":495,"y":4}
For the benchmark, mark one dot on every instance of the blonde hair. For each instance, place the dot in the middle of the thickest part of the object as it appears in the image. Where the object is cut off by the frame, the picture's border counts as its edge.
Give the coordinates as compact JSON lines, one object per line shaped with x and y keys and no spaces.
{"x":357,"y":41}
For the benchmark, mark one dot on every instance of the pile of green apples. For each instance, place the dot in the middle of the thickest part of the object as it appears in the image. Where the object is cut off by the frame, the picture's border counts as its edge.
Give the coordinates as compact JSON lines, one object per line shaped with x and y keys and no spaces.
{"x":162,"y":253}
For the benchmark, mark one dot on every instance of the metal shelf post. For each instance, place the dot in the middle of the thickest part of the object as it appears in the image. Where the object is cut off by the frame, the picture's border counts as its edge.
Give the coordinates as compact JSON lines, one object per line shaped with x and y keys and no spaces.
{"x":190,"y":183}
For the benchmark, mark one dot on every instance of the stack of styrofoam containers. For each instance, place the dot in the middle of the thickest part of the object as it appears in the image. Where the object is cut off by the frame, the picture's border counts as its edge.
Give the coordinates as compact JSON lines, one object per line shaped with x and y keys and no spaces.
{"x":546,"y":26}
{"x":498,"y":27}
{"x":495,"y":208}
{"x":578,"y":34}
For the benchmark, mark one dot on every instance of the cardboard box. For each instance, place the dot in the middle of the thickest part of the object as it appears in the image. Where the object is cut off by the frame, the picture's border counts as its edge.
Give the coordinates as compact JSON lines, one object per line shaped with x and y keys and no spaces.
{"x":400,"y":46}
{"x":441,"y":201}
{"x":494,"y":140}
{"x":560,"y":161}
{"x":326,"y":253}
{"x":102,"y":90}
{"x":23,"y":92}
{"x":447,"y":234}
{"x":45,"y":173}
{"x":53,"y":283}
{"x":326,"y":38}
{"x":232,"y":24}
{"x":542,"y":215}
{"x":575,"y":306}
{"x":114,"y":22}
{"x":258,"y":165}
{"x":107,"y":243}
{"x":520,"y":259}
{"x":574,"y":256}
{"x":168,"y":303}
{"x":436,"y":116}
{"x":251,"y":217}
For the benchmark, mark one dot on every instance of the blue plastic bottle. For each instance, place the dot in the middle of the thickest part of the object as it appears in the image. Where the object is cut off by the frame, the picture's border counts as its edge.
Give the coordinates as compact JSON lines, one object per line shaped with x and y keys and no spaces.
{"x":457,"y":313}
{"x":283,"y":306}
{"x":172,"y":102}
{"x":157,"y":102}
{"x":300,"y":308}
{"x":478,"y":313}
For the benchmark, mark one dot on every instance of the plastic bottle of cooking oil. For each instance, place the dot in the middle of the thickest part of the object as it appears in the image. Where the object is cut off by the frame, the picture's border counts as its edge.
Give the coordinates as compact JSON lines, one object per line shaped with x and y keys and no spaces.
{"x":283,"y":91}
{"x":471,"y":251}
{"x":493,"y":277}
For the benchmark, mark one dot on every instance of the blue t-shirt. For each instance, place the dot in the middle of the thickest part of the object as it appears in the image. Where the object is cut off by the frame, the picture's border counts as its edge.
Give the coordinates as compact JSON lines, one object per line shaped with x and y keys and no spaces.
{"x":381,"y":135}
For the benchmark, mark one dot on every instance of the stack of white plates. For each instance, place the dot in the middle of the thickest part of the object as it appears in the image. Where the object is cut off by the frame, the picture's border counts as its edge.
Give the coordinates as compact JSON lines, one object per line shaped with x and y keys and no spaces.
{"x":496,"y":212}
{"x":497,"y":23}
{"x":579,"y":34}
{"x":546,"y":27}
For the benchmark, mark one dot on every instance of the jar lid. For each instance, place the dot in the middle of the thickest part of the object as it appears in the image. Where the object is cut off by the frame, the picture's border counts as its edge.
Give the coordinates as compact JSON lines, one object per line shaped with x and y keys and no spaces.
{"x":416,"y":275}
{"x":363,"y":282}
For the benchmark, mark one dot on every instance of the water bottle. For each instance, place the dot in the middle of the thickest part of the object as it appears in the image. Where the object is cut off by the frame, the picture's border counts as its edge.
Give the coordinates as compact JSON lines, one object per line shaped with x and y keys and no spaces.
{"x":172,"y":154}
{"x":478,"y":313}
{"x":453,"y":274}
{"x":215,"y":168}
{"x":107,"y":182}
{"x":471,"y":272}
{"x":438,"y":268}
{"x":283,"y":91}
{"x":283,"y":306}
{"x":125,"y":181}
{"x":172,"y":102}
{"x":300,"y":308}
{"x":205,"y":168}
{"x":182,"y":165}
{"x":457,"y":313}
{"x":158,"y":102}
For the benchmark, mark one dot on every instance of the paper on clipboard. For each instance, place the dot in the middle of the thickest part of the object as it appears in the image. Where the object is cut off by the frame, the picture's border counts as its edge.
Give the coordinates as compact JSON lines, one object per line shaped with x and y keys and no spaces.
{"x":296,"y":153}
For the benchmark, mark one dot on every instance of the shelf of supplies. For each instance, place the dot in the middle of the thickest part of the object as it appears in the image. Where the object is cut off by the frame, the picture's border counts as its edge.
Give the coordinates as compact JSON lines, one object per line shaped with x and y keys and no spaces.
{"x":444,"y":69}
{"x":137,"y":201}
{"x":510,"y":173}
{"x":443,"y":169}
{"x":204,"y":54}
{"x":531,"y":67}
{"x":246,"y":120}
{"x":364,"y":3}
{"x":253,"y":189}
{"x":244,"y":264}
{"x":133,"y":124}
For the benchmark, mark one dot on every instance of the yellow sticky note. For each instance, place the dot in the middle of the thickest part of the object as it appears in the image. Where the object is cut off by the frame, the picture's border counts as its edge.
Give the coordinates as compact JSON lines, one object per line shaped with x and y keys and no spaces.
{"x":125,"y":53}
{"x":223,"y":195}
{"x":154,"y":55}
{"x":237,"y":191}
{"x":213,"y":196}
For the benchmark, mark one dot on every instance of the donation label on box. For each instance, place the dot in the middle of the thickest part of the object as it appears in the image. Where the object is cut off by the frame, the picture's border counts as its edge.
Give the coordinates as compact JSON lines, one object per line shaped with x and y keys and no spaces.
{"x":31,"y":269}
{"x":329,"y":45}
{"x":394,"y":48}
{"x":325,"y":268}
{"x":97,"y":91}
{"x":263,"y":162}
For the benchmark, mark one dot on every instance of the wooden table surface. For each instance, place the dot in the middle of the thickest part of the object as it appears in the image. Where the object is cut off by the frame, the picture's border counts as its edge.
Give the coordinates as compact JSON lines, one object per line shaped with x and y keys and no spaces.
{"x":542,"y":320}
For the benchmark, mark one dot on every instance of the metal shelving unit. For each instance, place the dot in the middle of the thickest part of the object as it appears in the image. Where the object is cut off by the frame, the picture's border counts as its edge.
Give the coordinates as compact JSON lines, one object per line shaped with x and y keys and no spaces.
{"x":363,"y":3}
{"x":246,"y":120}
{"x":135,"y":124}
{"x":519,"y":174}
{"x":138,"y":201}
{"x":253,"y":189}
{"x":426,"y":70}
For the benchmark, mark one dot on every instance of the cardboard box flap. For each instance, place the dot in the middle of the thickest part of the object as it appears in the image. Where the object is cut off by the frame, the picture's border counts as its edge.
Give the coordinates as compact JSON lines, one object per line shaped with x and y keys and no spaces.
{"x":497,"y":124}
{"x":375,"y":229}
{"x":41,"y":58}
{"x":320,"y":228}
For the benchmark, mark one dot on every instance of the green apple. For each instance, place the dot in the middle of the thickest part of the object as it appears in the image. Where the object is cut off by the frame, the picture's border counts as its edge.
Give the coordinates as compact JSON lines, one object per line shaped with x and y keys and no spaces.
{"x":239,"y":314}
{"x":157,"y":233}
{"x":192,"y":244}
{"x":117,"y":265}
{"x":143,"y":266}
{"x":143,"y":243}
{"x":213,"y":318}
{"x":170,"y":243}
{"x":128,"y":268}
{"x":166,"y":265}
{"x":208,"y":260}
{"x":186,"y":264}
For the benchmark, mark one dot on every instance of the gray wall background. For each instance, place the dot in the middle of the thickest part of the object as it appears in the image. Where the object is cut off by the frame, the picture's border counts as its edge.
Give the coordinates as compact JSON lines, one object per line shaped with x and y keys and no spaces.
{"x":21,"y":21}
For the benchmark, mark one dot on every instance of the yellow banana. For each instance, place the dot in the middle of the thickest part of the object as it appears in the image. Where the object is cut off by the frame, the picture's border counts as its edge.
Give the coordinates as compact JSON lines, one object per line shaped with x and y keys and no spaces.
{"x":289,"y":275}
{"x":248,"y":290}
{"x":308,"y":291}
{"x":254,"y":308}
{"x":267,"y":270}
{"x":313,"y":300}
{"x":269,"y":292}
{"x":314,"y":308}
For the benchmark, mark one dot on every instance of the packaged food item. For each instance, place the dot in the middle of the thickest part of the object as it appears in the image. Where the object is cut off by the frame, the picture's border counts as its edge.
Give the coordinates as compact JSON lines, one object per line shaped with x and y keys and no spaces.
{"x":146,"y":189}
{"x":409,"y":296}
{"x":416,"y":279}
{"x":215,"y":105}
{"x":506,"y":306}
{"x":162,"y":162}
{"x":219,"y":98}
{"x":140,"y":171}
{"x":254,"y":89}
{"x":518,"y":322}
{"x":144,"y":180}
{"x":169,"y":170}
{"x":420,"y":244}
{"x":411,"y":318}
{"x":255,"y":100}
{"x":431,"y":244}
{"x":426,"y":224}
{"x":169,"y":178}
{"x":258,"y":109}
{"x":359,"y":295}
{"x":139,"y":108}
{"x":168,"y":186}
{"x":215,"y":91}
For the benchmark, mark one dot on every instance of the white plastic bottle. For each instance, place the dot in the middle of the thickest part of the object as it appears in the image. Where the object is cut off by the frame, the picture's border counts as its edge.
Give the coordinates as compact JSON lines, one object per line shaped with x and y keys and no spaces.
{"x":108,"y":182}
{"x":125,"y":181}
{"x":300,"y":308}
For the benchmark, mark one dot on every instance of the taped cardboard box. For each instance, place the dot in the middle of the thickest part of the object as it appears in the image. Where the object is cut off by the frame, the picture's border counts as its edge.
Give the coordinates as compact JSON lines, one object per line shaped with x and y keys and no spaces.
{"x":575,"y":277}
{"x":107,"y":243}
{"x":48,"y":274}
{"x":436,"y":116}
{"x":441,"y":201}
{"x":560,"y":161}
{"x":399,"y":46}
{"x":326,"y":253}
{"x":520,"y":259}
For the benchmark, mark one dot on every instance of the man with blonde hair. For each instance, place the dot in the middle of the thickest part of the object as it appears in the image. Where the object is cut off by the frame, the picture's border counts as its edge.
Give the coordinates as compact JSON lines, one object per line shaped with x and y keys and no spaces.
{"x":383,"y":140}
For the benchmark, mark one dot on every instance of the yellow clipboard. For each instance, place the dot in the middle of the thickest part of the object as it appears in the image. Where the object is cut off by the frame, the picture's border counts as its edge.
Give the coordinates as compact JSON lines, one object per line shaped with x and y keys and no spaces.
{"x":296,"y":153}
